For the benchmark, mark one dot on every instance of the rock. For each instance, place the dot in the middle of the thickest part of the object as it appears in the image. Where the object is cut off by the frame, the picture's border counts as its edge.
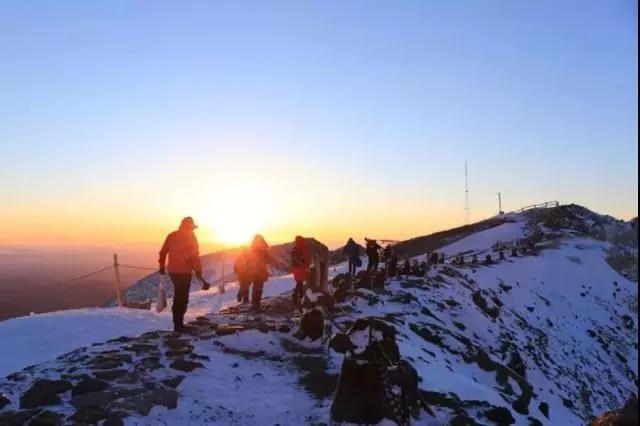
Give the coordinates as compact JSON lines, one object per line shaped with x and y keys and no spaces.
{"x":500,"y":415}
{"x":178,"y":344}
{"x":141,"y":347}
{"x":142,"y":403}
{"x":102,"y":399}
{"x":226,"y":329}
{"x":110,"y":374}
{"x":262,"y":327}
{"x":4,"y":401}
{"x":91,"y":415}
{"x":284,"y":328}
{"x":482,"y":304}
{"x":199,"y":357}
{"x":628,"y":322}
{"x":544,"y":409}
{"x":173,"y":382}
{"x":185,"y":365}
{"x":312,"y":324}
{"x":177,"y":353}
{"x":46,"y":418}
{"x":104,"y":364}
{"x":88,"y":385}
{"x":44,"y":392}
{"x":17,"y":418}
{"x":16,"y":377}
{"x":129,"y":379}
{"x":150,"y":363}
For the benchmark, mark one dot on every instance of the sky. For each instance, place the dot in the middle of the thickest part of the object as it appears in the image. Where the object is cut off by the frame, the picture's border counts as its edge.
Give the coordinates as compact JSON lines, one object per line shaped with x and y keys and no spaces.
{"x":328,"y":119}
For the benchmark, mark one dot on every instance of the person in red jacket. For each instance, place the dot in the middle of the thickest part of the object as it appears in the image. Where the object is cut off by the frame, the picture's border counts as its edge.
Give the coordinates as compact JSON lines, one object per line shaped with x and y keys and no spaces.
{"x":181,"y":247}
{"x":300,"y":263}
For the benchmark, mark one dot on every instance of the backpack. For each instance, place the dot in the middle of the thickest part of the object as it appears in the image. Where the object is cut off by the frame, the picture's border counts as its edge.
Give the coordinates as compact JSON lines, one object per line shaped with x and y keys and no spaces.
{"x":297,"y":258}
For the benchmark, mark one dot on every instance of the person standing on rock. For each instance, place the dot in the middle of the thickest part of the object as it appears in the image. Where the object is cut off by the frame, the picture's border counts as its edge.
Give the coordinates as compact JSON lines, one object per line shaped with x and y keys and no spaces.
{"x":259,"y":259}
{"x":181,"y":247}
{"x":300,"y":263}
{"x":352,"y":252}
{"x":373,"y":255}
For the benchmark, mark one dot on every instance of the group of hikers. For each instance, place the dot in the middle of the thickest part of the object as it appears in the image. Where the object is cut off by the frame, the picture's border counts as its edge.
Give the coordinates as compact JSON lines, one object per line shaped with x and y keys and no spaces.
{"x":251,"y":266}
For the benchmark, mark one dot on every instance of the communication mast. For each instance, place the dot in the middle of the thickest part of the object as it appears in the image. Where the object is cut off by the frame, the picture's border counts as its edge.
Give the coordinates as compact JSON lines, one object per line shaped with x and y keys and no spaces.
{"x":466,"y":194}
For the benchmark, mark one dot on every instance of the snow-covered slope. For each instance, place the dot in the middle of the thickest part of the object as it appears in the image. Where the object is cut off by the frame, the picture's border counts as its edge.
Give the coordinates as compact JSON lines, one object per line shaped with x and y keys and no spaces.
{"x":548,"y":337}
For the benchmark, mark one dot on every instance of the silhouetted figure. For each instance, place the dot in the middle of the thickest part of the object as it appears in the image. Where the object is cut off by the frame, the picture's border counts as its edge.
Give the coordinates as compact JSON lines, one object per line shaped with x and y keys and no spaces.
{"x":441,"y":259}
{"x":184,"y":256}
{"x":514,"y":252}
{"x":392,"y":265}
{"x":372,"y":255}
{"x":501,"y":254}
{"x":259,"y":259}
{"x":474,"y":260}
{"x":406,"y":267}
{"x":422,"y":269}
{"x":352,"y":251}
{"x":461,"y":261}
{"x":488,"y":260}
{"x":386,"y":253}
{"x":432,"y":259}
{"x":243,"y":274}
{"x":300,"y":263}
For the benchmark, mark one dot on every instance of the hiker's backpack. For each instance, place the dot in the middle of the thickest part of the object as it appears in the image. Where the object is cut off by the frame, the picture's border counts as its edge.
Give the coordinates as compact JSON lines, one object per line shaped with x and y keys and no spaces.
{"x":297,"y":258}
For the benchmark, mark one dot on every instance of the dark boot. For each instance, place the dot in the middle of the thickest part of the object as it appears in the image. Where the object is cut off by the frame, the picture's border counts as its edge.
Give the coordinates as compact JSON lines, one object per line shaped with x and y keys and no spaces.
{"x":256,"y":295}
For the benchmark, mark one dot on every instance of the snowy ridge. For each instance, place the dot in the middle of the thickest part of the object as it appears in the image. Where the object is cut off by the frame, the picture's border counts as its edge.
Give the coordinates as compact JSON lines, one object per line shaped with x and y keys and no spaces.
{"x":548,"y":337}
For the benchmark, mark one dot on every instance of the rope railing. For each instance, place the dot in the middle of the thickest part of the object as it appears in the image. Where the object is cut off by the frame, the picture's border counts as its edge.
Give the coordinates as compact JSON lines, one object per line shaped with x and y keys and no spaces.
{"x":82,"y":276}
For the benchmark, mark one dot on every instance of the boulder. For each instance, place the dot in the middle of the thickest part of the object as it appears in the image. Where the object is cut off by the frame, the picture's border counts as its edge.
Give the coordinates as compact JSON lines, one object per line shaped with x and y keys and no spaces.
{"x":312,"y":324}
{"x":500,"y":415}
{"x":44,"y":392}
{"x":110,"y":374}
{"x":88,"y":385}
{"x":3,"y":401}
{"x":17,"y":418}
{"x":47,"y":418}
{"x":89,"y":415}
{"x":185,"y":365}
{"x":142,"y":403}
{"x":173,"y":382}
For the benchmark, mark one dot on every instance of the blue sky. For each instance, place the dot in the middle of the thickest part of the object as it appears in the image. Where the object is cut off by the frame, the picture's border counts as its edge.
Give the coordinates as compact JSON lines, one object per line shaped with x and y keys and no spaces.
{"x":133,"y":113}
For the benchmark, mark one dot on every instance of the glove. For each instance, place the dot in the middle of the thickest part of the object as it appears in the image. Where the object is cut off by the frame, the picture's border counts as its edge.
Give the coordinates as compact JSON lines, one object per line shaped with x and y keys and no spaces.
{"x":162,"y":271}
{"x":205,"y":285}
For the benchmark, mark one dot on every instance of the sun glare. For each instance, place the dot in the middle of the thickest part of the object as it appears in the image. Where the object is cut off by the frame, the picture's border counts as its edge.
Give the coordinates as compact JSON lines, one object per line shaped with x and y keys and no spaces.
{"x":242,"y":213}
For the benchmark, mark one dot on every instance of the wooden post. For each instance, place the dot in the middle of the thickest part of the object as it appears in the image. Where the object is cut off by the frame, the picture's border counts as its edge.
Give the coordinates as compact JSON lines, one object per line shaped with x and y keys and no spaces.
{"x":118,"y":291}
{"x":221,"y":288}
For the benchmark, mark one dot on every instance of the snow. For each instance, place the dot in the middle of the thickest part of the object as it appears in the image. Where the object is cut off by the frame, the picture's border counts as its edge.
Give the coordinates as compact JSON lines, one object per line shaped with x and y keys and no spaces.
{"x":483,"y":240}
{"x":41,"y":337}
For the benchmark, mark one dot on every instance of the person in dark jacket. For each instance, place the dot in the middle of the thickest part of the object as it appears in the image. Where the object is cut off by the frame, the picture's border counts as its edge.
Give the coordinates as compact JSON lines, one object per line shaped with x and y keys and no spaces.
{"x":181,"y":247}
{"x":300,"y":263}
{"x":241,"y":269}
{"x":259,"y":260}
{"x":373,"y":255}
{"x":352,"y":251}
